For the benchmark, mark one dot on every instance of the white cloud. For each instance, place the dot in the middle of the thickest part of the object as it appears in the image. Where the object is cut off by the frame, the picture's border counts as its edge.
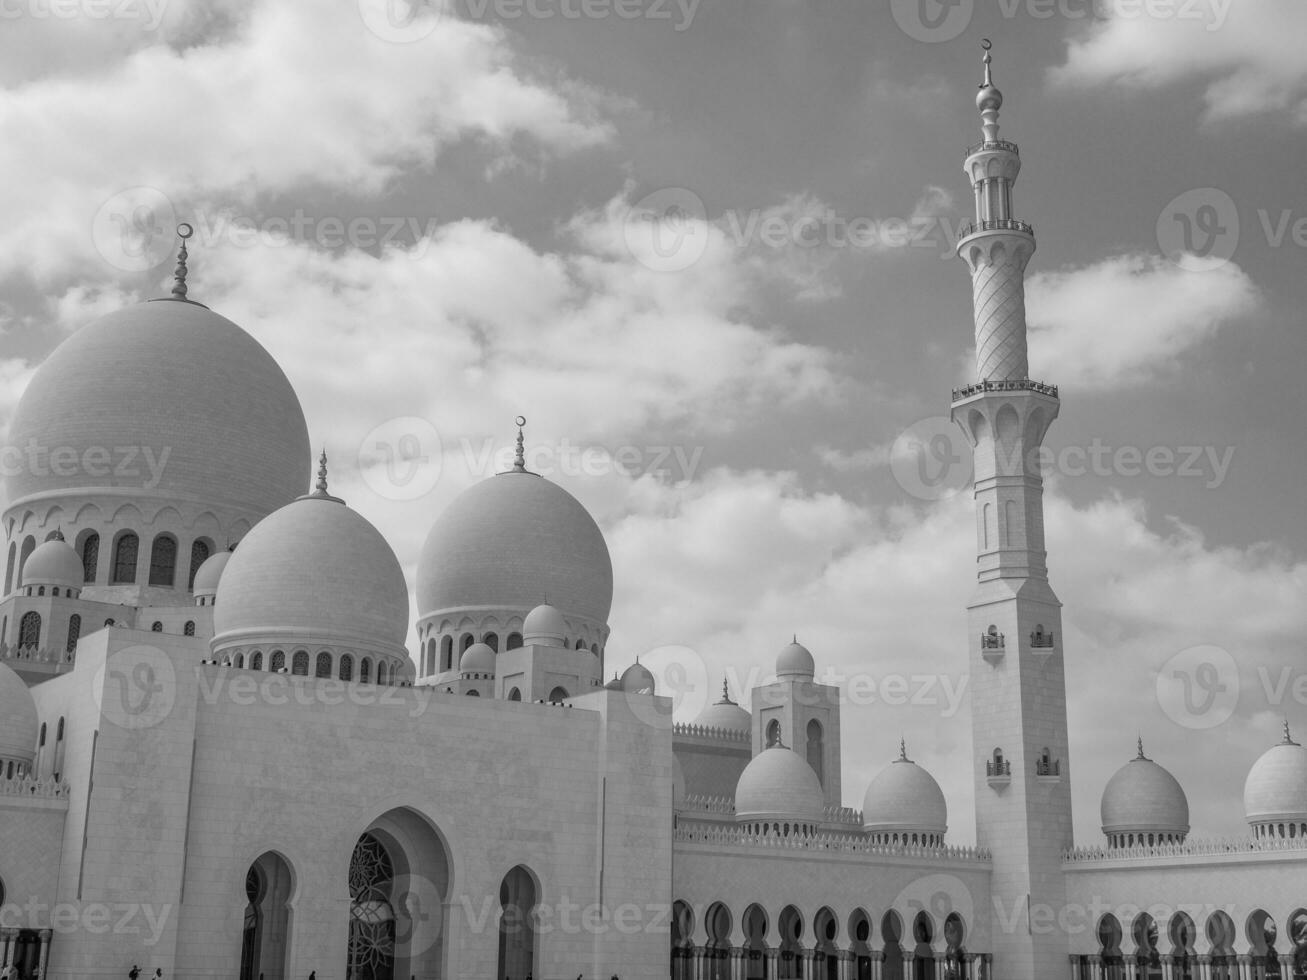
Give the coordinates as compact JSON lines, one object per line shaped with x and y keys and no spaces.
{"x":1247,"y":55}
{"x":1128,"y":319}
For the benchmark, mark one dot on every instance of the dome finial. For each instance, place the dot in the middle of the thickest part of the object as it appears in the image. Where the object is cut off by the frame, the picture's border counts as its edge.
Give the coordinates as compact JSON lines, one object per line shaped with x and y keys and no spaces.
{"x":184,"y":231}
{"x":519,"y":458}
{"x":59,"y":536}
{"x":322,"y":473}
{"x":1140,"y":743}
{"x":987,"y":44}
{"x":989,"y":99}
{"x":1288,"y":738}
{"x":903,"y":750}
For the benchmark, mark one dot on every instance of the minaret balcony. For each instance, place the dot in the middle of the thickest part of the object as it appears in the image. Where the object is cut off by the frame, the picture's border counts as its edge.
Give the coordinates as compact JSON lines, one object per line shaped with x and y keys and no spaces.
{"x":969,"y":228}
{"x":998,"y":773}
{"x":1012,"y":384}
{"x":986,"y":145}
{"x":1048,"y":772}
{"x":992,"y":646}
{"x":1042,"y":643}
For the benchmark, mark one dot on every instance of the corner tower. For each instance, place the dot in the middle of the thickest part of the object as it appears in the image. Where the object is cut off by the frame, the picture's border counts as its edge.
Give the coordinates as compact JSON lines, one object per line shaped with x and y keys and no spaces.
{"x":1019,"y":726}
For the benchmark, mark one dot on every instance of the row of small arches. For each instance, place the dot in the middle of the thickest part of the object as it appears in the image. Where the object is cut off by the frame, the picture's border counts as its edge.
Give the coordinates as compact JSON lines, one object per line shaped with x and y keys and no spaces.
{"x":1260,"y":931}
{"x":438,"y":656}
{"x":124,"y":559}
{"x":1265,"y":831}
{"x":30,"y":626}
{"x":325,"y":666}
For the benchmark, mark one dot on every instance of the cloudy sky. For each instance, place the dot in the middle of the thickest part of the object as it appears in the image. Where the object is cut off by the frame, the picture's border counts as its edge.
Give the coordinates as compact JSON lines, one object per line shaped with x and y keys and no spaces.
{"x":706,"y":250}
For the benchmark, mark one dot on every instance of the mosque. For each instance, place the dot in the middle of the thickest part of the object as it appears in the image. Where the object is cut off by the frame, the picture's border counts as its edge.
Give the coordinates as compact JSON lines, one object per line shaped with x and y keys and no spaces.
{"x":219,"y":759}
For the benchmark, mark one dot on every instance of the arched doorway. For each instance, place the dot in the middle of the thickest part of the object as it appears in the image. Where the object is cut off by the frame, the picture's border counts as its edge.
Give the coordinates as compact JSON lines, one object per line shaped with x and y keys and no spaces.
{"x":923,"y":954}
{"x":755,"y":943}
{"x":1109,"y":947}
{"x":265,"y":934}
{"x":790,"y":925}
{"x":1184,"y":958}
{"x":1262,"y":934}
{"x":1298,"y":940}
{"x":682,"y":941}
{"x":891,"y":931}
{"x":517,"y":934}
{"x":1221,"y":934}
{"x":860,"y":936}
{"x":1148,"y":960}
{"x":826,"y":959}
{"x":399,"y":873}
{"x":955,"y":955}
{"x":717,"y":954}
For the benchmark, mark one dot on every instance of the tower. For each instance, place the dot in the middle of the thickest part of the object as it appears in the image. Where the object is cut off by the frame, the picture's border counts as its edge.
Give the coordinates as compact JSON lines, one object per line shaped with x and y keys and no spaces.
{"x":1019,"y":726}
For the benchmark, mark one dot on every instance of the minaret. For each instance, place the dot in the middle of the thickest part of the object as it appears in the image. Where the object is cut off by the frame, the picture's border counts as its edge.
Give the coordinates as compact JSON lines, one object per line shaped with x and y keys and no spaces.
{"x":1018,"y":691}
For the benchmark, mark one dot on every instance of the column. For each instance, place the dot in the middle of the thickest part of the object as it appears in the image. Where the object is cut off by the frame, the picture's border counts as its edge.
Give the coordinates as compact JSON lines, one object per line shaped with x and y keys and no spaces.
{"x":8,"y":936}
{"x":877,"y":964}
{"x":45,"y":935}
{"x":908,"y":957}
{"x":736,"y":971}
{"x":1168,"y":968}
{"x":773,"y":957}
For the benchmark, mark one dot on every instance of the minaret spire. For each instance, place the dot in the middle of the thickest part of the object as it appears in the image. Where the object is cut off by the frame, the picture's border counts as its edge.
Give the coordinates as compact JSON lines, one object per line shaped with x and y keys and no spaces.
{"x":184,"y":231}
{"x":1288,"y":738}
{"x":1141,"y":749}
{"x":989,"y":100}
{"x":320,"y":488}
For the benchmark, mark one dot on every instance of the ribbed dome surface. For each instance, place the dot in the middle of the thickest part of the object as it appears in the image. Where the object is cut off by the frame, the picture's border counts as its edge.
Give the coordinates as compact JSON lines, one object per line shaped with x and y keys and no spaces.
{"x":903,"y":796}
{"x":477,"y":659}
{"x":516,"y":540}
{"x":208,"y":575}
{"x":795,"y":661}
{"x":19,"y":723}
{"x":171,"y":377}
{"x":318,"y":567}
{"x":1276,"y":788}
{"x":53,"y":563}
{"x":778,"y":783}
{"x":1143,"y":796}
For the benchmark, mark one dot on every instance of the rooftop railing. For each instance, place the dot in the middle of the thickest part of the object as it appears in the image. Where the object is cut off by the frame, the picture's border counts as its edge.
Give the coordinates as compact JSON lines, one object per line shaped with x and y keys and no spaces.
{"x":993,"y":145}
{"x":969,"y":227}
{"x":1015,"y":384}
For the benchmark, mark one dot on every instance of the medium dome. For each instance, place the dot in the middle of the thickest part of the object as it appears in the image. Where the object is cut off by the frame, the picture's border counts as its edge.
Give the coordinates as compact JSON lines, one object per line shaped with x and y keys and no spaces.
{"x":53,"y":563}
{"x":208,"y":575}
{"x":778,"y":784}
{"x":544,"y":625}
{"x":725,"y":714}
{"x":1143,"y":797}
{"x":477,"y":659}
{"x":904,"y":797}
{"x":317,"y":572}
{"x":19,"y":723}
{"x":515,"y":540}
{"x":637,"y":679}
{"x":795,"y":662}
{"x":168,"y":377}
{"x":1276,"y":788}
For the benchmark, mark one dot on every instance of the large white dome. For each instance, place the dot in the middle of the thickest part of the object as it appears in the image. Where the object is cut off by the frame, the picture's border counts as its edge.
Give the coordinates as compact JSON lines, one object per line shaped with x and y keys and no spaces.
{"x":171,"y":377}
{"x":514,"y":541}
{"x":18,"y":718}
{"x":318,"y":570}
{"x":904,"y":798}
{"x":1276,"y":788}
{"x":778,"y":785}
{"x":1143,"y":797}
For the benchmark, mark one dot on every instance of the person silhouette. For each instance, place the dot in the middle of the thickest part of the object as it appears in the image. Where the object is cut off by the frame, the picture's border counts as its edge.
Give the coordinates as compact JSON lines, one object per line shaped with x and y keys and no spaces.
{"x":134,"y":973}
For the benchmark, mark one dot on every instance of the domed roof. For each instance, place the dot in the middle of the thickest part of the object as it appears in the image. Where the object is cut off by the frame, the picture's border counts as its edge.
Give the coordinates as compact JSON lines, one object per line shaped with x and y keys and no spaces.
{"x":903,"y":796}
{"x":53,"y":563}
{"x":19,"y":723}
{"x":314,"y":570}
{"x":725,"y":714}
{"x":1143,"y":796}
{"x":165,"y":377}
{"x":1276,"y":788}
{"x":477,"y":659}
{"x":795,"y":661}
{"x":510,"y":541}
{"x":778,"y":783}
{"x":209,"y":573}
{"x":637,"y":679}
{"x":544,"y":625}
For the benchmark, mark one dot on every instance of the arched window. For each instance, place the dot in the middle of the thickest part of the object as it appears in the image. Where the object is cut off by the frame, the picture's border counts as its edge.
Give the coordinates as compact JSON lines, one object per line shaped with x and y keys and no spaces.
{"x":346,"y":672}
{"x":189,"y":628}
{"x":323,"y":666}
{"x":200,"y":552}
{"x":514,"y":641}
{"x":74,"y":632}
{"x":446,"y":653}
{"x":156,"y":627}
{"x":124,"y":558}
{"x":515,"y":695}
{"x":365,"y":671}
{"x":300,"y":663}
{"x":467,"y":640}
{"x":256,"y":660}
{"x":29,"y":545}
{"x":815,"y":750}
{"x":108,"y":622}
{"x":492,"y":640}
{"x":90,"y":557}
{"x":277,"y":661}
{"x":29,"y":630}
{"x":473,"y":694}
{"x":382,"y":672}
{"x":518,"y":952}
{"x":558,"y":695}
{"x":9,"y":567}
{"x":580,"y":644}
{"x":163,"y":560}
{"x":773,"y":732}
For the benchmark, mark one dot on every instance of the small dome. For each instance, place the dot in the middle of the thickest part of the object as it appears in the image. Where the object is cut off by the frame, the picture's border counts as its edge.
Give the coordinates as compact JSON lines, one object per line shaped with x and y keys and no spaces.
{"x":678,"y":782}
{"x":904,"y":797}
{"x":795,"y":661}
{"x":1276,"y":788}
{"x":637,"y":679}
{"x":1144,"y":797}
{"x":511,"y":540}
{"x":53,"y":563}
{"x":779,"y":784}
{"x":614,"y":685}
{"x":725,"y":714}
{"x":545,"y":627}
{"x":19,"y":723}
{"x":477,"y":659}
{"x":209,"y":573}
{"x":314,"y":571}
